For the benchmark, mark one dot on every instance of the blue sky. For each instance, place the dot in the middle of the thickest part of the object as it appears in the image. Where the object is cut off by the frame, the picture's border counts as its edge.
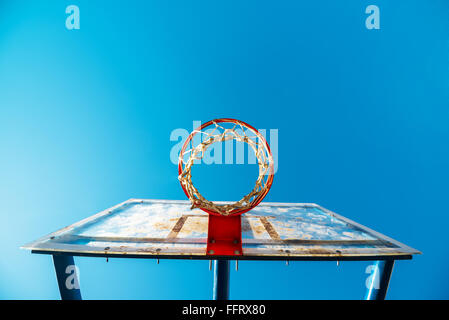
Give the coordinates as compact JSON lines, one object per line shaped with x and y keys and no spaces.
{"x":362,"y":116}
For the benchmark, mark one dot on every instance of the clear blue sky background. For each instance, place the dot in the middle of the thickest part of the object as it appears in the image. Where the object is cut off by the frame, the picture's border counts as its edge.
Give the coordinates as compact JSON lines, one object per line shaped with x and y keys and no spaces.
{"x":363,"y":120}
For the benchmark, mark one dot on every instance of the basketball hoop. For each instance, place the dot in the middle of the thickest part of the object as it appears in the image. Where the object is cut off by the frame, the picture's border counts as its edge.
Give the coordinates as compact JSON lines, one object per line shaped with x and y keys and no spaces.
{"x":221,"y":130}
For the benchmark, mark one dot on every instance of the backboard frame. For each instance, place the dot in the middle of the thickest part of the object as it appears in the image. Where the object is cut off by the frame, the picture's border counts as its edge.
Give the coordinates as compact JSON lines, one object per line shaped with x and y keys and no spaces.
{"x":49,"y":244}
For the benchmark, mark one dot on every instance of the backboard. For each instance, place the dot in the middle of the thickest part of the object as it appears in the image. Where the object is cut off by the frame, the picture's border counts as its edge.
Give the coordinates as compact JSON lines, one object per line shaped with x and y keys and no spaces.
{"x":170,"y":229}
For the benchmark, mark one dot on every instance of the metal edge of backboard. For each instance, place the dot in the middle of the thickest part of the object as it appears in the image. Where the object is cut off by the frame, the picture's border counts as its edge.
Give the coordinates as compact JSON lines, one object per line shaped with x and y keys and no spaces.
{"x":372,"y":232}
{"x":195,"y":253}
{"x":203,"y":256}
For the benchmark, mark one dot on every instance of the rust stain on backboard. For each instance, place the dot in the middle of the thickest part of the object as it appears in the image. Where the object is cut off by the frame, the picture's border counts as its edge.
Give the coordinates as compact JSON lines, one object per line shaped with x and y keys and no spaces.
{"x":269,"y":227}
{"x":319,"y":251}
{"x":195,"y":226}
{"x":177,"y":227}
{"x":245,"y":225}
{"x":252,"y":225}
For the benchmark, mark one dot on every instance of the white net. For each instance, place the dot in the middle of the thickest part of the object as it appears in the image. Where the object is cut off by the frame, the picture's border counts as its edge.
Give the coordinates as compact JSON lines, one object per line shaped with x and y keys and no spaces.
{"x":219,"y":133}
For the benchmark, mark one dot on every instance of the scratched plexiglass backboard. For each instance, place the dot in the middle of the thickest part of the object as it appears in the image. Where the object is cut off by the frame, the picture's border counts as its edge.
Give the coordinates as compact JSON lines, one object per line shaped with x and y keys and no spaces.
{"x":170,"y":229}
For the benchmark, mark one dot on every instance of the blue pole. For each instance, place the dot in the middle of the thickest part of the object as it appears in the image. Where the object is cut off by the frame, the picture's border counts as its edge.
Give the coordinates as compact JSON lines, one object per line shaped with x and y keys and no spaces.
{"x":67,"y":276}
{"x":221,"y":280}
{"x":379,"y":279}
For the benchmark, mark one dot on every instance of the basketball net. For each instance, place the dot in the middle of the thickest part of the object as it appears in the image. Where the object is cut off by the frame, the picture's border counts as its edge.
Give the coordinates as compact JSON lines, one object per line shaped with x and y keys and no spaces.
{"x":219,"y":133}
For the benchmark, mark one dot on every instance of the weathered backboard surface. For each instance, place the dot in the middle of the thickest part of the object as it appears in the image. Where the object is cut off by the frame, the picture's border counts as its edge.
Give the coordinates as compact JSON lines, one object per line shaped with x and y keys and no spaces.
{"x":169,"y":229}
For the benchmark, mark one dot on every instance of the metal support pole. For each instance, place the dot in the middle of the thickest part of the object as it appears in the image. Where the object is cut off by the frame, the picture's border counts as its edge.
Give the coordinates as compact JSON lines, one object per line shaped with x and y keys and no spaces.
{"x":221,"y":280}
{"x":377,"y":285}
{"x":67,"y":276}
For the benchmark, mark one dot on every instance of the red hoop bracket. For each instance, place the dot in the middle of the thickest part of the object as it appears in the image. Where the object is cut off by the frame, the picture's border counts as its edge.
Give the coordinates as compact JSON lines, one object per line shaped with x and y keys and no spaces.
{"x":224,"y":235}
